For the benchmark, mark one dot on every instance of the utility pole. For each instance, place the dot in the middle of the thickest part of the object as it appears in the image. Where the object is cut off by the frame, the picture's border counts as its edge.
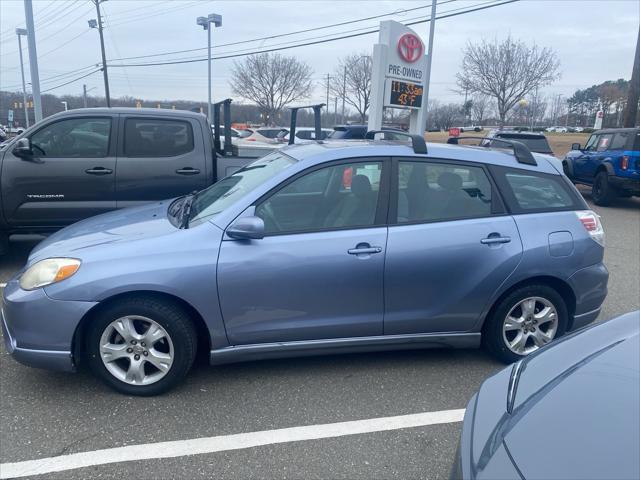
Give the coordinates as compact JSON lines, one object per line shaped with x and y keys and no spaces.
{"x":432,"y":26}
{"x":344,"y":92}
{"x":327,"y":103}
{"x":104,"y":57}
{"x":464,"y":108}
{"x":631,"y":109}
{"x":20,"y":32}
{"x":33,"y":60}
{"x":84,"y":95}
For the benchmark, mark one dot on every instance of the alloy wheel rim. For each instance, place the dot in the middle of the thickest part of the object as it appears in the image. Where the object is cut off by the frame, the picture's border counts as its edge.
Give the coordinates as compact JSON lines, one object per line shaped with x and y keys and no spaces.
{"x":136,"y":350}
{"x":530,"y":324}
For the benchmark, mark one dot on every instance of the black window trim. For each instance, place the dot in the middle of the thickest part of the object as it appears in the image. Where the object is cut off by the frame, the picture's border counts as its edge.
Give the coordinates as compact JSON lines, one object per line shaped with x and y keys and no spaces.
{"x":113,"y":134}
{"x":499,"y":173}
{"x":382,"y":208}
{"x":122,"y":151}
{"x":498,"y":205}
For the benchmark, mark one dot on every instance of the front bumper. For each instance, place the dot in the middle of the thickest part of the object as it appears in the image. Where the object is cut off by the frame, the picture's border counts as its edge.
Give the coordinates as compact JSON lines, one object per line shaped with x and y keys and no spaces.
{"x":38,"y":330}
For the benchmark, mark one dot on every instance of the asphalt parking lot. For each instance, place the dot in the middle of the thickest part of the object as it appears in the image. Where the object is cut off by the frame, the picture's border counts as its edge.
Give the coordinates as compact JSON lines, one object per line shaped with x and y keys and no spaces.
{"x":44,"y":414}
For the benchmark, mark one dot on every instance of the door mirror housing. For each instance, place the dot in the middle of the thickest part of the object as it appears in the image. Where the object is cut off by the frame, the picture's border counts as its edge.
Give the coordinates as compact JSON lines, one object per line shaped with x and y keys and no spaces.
{"x":575,"y":146}
{"x":247,"y":228}
{"x":23,"y":148}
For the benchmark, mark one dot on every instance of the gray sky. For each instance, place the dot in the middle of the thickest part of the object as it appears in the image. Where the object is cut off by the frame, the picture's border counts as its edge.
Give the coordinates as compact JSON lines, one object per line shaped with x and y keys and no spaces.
{"x":594,"y":40}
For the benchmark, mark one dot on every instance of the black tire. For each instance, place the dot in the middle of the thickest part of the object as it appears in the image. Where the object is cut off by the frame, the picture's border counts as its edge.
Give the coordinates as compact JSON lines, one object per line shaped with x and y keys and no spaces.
{"x":4,"y":243}
{"x":492,"y":335}
{"x":602,"y":192}
{"x":171,"y":317}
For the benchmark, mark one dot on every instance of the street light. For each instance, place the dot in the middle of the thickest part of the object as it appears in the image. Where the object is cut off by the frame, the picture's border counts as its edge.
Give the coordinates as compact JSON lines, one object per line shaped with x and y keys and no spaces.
{"x":65,"y":105}
{"x":205,"y":22}
{"x":19,"y":33}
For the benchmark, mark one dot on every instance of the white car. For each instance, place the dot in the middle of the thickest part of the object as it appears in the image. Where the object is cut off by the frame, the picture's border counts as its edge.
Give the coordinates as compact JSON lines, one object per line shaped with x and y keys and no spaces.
{"x":304,"y":133}
{"x":557,"y":129}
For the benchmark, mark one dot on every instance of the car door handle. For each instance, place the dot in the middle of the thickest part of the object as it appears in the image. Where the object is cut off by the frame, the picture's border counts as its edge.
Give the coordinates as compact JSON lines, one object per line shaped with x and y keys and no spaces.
{"x":491,"y":239}
{"x":363,"y":249}
{"x":98,"y":171}
{"x":187,"y":171}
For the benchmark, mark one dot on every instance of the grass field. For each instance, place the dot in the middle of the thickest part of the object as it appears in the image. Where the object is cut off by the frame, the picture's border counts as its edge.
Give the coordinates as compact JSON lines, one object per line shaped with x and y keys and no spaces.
{"x":560,"y":142}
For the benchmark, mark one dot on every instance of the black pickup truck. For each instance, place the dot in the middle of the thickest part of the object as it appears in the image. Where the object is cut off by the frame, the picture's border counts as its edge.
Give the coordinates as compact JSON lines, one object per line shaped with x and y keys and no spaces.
{"x":83,"y":162}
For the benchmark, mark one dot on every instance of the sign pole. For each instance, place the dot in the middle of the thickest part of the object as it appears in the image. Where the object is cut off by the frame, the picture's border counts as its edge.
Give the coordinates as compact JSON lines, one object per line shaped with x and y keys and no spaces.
{"x":425,"y":99}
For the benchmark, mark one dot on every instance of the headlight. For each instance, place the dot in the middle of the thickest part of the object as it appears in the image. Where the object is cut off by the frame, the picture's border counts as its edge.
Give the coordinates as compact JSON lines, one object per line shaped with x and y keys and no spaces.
{"x":48,"y":271}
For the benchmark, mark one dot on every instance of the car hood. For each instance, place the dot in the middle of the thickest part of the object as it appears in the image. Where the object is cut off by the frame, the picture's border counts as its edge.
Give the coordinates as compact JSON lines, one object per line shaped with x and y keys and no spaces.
{"x":575,"y":413}
{"x":120,"y":226}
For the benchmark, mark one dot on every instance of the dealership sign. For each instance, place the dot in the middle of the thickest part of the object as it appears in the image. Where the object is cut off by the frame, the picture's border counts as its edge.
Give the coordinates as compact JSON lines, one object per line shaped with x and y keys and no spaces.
{"x":399,"y":75}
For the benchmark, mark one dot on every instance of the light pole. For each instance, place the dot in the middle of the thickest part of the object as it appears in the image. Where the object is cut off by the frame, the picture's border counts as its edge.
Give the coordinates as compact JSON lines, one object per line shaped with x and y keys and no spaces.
{"x":19,"y":33}
{"x":205,"y":22}
{"x":98,"y":24}
{"x":33,"y":60}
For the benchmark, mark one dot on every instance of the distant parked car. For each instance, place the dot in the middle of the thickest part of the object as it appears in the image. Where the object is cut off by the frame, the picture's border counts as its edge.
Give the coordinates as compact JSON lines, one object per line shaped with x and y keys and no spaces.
{"x":609,"y":162}
{"x":471,"y":128}
{"x":266,"y":135}
{"x":316,"y":249}
{"x":304,"y":134}
{"x":536,"y":142}
{"x":557,"y":129}
{"x":3,"y":134}
{"x":578,"y":129}
{"x":348,"y":132}
{"x":571,"y":410}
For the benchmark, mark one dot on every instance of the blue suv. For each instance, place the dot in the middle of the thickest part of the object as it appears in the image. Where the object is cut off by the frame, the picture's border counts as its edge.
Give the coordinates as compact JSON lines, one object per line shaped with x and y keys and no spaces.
{"x":609,"y":162}
{"x":317,"y":249}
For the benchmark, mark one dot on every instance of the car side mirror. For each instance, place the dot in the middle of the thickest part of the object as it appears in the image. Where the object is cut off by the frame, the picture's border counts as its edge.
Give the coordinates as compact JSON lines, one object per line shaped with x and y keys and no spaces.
{"x":247,"y":228}
{"x":575,"y":146}
{"x":23,"y":148}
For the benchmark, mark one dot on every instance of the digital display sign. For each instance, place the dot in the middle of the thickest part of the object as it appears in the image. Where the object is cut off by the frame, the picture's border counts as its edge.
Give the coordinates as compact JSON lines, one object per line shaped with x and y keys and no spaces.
{"x":405,"y":94}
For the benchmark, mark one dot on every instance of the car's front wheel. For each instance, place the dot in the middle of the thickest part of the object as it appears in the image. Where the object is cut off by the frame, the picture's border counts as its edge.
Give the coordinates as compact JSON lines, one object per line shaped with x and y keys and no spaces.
{"x":524,"y":321}
{"x":141,"y":346}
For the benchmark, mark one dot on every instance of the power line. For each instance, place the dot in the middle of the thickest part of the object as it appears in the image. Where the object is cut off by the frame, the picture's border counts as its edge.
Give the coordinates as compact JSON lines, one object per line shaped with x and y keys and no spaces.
{"x":71,"y":81}
{"x":270,"y":37}
{"x":316,"y":42}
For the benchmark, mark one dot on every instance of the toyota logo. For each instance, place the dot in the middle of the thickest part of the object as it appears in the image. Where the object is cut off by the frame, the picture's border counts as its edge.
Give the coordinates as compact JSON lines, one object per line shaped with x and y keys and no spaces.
{"x":410,"y":47}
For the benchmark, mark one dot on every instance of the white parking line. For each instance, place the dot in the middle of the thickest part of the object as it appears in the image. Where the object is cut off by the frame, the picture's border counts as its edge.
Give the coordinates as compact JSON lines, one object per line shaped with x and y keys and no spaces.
{"x":223,"y":443}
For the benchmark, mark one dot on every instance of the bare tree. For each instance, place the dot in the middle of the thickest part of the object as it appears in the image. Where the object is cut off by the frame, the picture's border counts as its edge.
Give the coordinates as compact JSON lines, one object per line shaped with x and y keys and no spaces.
{"x":506,"y":71}
{"x":272,"y":81}
{"x":479,"y":108}
{"x":351,"y":80}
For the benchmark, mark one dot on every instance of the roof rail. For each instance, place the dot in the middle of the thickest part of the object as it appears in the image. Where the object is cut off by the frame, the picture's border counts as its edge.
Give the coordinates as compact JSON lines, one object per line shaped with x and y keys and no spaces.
{"x":520,"y":150}
{"x":417,"y":141}
{"x":316,"y":118}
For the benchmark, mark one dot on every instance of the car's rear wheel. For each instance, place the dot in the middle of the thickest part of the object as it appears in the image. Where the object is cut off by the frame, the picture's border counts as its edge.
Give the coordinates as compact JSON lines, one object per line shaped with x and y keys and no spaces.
{"x":141,"y":346}
{"x":524,"y":321}
{"x":602,"y":192}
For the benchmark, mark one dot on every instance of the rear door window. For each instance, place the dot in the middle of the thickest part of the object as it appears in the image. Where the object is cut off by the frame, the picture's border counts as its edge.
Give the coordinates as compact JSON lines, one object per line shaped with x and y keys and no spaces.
{"x":157,"y":138}
{"x":619,"y":141}
{"x":431,"y":192}
{"x":527,"y":191}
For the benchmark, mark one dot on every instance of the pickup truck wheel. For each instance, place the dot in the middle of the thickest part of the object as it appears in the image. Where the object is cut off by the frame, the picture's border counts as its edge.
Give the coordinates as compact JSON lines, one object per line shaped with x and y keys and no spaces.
{"x":4,"y":243}
{"x":141,"y":346}
{"x":602,"y":192}
{"x":525,"y":320}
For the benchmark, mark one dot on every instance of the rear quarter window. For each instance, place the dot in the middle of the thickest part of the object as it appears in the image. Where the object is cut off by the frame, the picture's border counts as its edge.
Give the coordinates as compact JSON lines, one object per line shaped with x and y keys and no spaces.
{"x":527,"y":191}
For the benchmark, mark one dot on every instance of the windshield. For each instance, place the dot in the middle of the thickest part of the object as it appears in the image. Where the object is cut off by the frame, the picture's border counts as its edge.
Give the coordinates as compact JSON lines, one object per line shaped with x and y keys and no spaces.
{"x":536,"y":144}
{"x":213,"y":200}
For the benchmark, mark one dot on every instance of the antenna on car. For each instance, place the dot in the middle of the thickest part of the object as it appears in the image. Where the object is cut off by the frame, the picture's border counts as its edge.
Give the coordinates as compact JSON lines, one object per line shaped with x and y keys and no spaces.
{"x":316,"y":118}
{"x":417,"y":141}
{"x":520,"y":150}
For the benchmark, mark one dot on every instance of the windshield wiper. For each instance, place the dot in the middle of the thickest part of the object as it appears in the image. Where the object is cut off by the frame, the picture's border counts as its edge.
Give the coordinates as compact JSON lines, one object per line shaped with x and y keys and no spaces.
{"x":185,"y":211}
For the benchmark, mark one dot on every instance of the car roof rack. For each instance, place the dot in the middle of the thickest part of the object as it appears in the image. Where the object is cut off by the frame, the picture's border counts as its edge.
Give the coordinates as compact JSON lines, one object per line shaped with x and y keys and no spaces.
{"x":417,"y":141}
{"x":316,"y":120}
{"x":520,"y":150}
{"x":226,"y":104}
